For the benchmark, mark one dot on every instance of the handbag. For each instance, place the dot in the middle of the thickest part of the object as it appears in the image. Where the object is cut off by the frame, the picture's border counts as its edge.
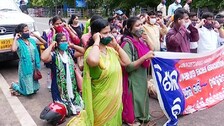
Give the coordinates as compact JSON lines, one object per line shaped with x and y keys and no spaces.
{"x":37,"y":74}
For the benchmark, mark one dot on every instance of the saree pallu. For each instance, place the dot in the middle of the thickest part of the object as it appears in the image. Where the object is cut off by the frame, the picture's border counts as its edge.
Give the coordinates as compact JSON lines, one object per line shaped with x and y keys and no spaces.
{"x":102,"y":94}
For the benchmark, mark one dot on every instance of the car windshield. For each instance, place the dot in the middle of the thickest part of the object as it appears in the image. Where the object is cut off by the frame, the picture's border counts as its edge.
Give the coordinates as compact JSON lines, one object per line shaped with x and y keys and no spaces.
{"x":8,"y":5}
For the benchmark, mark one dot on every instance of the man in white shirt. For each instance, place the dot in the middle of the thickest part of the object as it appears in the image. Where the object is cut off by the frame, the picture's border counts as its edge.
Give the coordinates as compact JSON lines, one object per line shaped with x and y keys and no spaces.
{"x":176,"y":4}
{"x":187,"y":5}
{"x":162,"y":7}
{"x":209,"y":33}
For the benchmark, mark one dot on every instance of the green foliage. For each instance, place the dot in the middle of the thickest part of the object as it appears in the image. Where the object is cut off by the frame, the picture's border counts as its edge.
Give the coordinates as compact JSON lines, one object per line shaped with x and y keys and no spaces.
{"x":51,"y":3}
{"x":127,"y":4}
{"x":211,"y":4}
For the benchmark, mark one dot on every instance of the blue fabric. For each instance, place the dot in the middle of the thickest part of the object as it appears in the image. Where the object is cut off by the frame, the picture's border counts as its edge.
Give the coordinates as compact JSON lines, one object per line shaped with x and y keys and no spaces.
{"x":29,"y":60}
{"x":25,"y":57}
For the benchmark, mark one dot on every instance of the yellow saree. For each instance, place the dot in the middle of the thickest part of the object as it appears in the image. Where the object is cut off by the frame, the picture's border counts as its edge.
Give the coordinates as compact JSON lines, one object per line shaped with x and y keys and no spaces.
{"x":102,"y":90}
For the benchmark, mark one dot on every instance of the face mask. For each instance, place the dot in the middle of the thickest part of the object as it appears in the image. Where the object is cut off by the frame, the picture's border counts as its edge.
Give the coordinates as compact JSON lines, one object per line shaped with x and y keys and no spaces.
{"x":58,"y":29}
{"x":208,"y":25}
{"x":115,"y":34}
{"x":194,"y":23}
{"x":178,"y":1}
{"x":187,"y":24}
{"x":105,"y":40}
{"x":152,"y":21}
{"x":25,"y":35}
{"x":63,"y":46}
{"x":138,"y":33}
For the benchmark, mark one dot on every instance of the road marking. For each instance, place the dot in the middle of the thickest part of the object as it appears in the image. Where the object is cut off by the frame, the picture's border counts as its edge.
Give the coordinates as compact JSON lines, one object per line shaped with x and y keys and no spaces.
{"x":22,"y":115}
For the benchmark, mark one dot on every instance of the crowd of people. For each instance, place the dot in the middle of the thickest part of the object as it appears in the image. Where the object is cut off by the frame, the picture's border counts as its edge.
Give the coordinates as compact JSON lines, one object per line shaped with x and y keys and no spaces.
{"x":113,"y":56}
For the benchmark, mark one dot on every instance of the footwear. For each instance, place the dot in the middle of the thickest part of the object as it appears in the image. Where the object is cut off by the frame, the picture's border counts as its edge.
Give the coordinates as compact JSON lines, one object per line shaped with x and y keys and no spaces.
{"x":135,"y":124}
{"x":151,"y":123}
{"x":14,"y":93}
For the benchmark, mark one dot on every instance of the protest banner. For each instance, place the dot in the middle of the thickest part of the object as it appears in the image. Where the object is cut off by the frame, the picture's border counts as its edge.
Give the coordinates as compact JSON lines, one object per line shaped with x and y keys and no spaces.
{"x":187,"y":83}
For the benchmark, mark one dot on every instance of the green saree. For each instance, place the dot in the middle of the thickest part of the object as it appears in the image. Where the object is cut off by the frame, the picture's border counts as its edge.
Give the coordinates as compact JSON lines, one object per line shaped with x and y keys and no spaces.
{"x":102,"y":90}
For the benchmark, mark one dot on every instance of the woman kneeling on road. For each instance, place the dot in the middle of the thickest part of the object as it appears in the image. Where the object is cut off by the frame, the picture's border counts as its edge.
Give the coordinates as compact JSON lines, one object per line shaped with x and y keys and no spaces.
{"x":29,"y":61}
{"x":64,"y":84}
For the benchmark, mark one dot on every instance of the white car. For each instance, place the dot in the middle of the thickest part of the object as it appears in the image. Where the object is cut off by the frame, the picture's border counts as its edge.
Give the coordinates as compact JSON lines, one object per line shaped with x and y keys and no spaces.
{"x":10,"y":17}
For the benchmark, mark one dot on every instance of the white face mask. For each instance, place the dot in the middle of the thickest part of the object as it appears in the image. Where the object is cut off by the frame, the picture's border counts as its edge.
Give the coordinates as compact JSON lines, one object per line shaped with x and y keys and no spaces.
{"x":152,"y":21}
{"x":178,"y":1}
{"x":187,"y":24}
{"x":115,"y":34}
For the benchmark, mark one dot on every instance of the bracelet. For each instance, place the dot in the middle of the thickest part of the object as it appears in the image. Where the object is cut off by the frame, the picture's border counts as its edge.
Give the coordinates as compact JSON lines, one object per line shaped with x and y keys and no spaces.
{"x":96,"y":45}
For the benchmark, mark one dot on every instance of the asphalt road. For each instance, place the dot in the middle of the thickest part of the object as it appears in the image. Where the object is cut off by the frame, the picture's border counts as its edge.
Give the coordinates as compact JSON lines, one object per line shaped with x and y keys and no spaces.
{"x":35,"y":104}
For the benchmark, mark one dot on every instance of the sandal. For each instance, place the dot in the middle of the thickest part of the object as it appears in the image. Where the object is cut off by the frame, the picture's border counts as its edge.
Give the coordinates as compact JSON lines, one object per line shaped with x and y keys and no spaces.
{"x":14,"y":93}
{"x":151,"y":123}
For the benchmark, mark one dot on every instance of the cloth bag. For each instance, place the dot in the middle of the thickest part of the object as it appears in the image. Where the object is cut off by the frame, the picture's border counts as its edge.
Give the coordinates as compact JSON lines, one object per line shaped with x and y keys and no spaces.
{"x":37,"y":74}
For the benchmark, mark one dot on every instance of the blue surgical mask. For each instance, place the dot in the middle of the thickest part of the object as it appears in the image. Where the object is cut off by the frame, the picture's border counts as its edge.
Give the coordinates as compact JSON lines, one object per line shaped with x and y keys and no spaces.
{"x":63,"y":46}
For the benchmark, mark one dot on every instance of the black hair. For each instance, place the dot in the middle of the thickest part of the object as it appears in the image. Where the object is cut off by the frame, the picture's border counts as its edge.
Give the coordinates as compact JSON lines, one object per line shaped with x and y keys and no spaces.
{"x":151,"y":13}
{"x":56,"y":18}
{"x":58,"y":37}
{"x":192,"y":14}
{"x":179,"y":14}
{"x":50,"y":21}
{"x":130,"y":23}
{"x":20,"y":28}
{"x":219,"y":16}
{"x":97,"y":26}
{"x":112,"y":27}
{"x":110,"y":19}
{"x":205,"y":15}
{"x":95,"y":17}
{"x":124,"y":24}
{"x":70,"y":21}
{"x":159,"y":12}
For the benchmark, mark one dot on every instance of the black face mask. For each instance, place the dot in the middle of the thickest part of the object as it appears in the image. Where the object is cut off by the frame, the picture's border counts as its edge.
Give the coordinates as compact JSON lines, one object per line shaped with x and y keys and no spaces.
{"x":194,"y":23}
{"x":208,"y":26}
{"x":25,"y":35}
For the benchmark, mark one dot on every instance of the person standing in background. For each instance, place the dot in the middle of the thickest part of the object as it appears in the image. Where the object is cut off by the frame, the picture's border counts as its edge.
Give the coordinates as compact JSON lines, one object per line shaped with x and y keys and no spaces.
{"x":154,"y":31}
{"x":187,"y":6}
{"x":182,"y":33}
{"x":162,"y":7}
{"x":209,"y":32}
{"x":176,"y":4}
{"x":76,"y":25}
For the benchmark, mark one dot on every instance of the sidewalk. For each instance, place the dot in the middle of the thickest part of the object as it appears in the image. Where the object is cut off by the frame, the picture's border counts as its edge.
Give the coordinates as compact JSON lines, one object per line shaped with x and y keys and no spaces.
{"x":12,"y":111}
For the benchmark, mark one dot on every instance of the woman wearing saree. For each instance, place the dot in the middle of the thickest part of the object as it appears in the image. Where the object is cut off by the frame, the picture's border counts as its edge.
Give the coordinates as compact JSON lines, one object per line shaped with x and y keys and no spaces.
{"x":102,"y":81}
{"x":135,"y":95}
{"x":29,"y":60}
{"x":64,"y":83}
